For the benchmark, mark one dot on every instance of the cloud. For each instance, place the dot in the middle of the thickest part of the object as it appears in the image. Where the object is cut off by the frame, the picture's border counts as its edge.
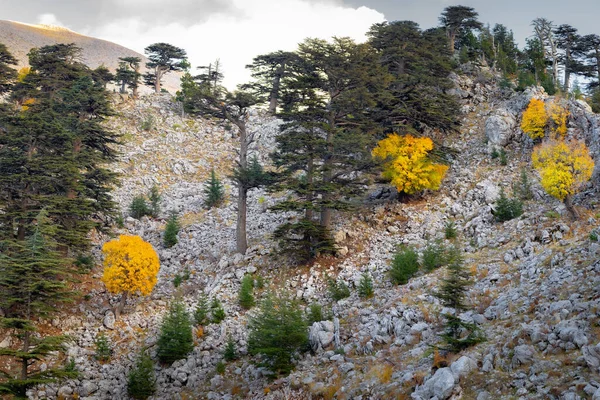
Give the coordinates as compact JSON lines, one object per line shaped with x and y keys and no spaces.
{"x":49,"y":19}
{"x":253,"y":27}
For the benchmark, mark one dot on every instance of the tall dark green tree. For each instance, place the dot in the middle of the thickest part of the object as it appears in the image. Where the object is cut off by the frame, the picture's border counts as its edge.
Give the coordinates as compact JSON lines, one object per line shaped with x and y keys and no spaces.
{"x":568,"y":43}
{"x":590,"y":46}
{"x":128,"y":74}
{"x":34,"y":278}
{"x":54,"y":152}
{"x":418,"y":64}
{"x":326,"y":141}
{"x":162,"y":59}
{"x":269,"y":72}
{"x":457,"y":21}
{"x":7,"y":73}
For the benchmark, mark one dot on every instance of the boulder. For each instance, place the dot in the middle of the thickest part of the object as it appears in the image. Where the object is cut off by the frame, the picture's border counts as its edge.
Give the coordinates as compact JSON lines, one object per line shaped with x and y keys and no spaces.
{"x":500,"y":128}
{"x":463,"y":366}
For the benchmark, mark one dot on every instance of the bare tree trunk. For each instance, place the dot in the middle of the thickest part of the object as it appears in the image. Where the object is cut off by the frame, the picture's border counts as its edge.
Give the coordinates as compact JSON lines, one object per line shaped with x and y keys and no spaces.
{"x":570,"y":208}
{"x":25,"y":360}
{"x":567,"y":69}
{"x":240,"y":230}
{"x":327,"y":173}
{"x":274,"y":95}
{"x":121,"y":305}
{"x":157,"y":76}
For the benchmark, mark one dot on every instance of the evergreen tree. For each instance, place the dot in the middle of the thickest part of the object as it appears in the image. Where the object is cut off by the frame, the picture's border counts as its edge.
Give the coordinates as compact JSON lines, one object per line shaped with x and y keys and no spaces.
{"x":141,"y":382}
{"x":201,"y":313}
{"x":34,"y":282}
{"x":217,"y":312}
{"x":458,"y":21}
{"x":214,"y":191}
{"x":325,"y":142}
{"x":205,"y":96}
{"x":154,"y":197}
{"x":175,"y":340}
{"x":277,"y":334}
{"x":230,"y":353}
{"x":568,"y":42}
{"x":458,"y":334}
{"x":246,"y":298}
{"x":7,"y":73}
{"x":270,"y":72}
{"x":171,"y":230}
{"x":507,"y":209}
{"x":65,"y":173}
{"x":418,"y":64}
{"x":162,"y":59}
{"x":128,"y":74}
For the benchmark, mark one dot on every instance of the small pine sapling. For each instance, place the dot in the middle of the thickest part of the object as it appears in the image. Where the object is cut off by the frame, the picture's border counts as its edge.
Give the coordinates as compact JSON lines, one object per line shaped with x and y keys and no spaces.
{"x":217,"y":311}
{"x":404,"y":265}
{"x":338,"y":290}
{"x":154,"y":197}
{"x":507,"y":209}
{"x":503,"y":157}
{"x":450,"y":231}
{"x":141,"y":382}
{"x":171,"y":231}
{"x":458,"y":334}
{"x":176,"y":339}
{"x":214,"y":191}
{"x":201,"y":312}
{"x":103,"y":349}
{"x":246,"y":298}
{"x":139,"y":207}
{"x":277,"y":333}
{"x":523,"y":189}
{"x":314,"y":314}
{"x":365,"y":286}
{"x":434,"y":255}
{"x":230,"y":353}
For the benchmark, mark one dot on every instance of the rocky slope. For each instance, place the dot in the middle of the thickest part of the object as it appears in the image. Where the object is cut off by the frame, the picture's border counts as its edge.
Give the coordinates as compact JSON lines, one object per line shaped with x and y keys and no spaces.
{"x":536,"y":291}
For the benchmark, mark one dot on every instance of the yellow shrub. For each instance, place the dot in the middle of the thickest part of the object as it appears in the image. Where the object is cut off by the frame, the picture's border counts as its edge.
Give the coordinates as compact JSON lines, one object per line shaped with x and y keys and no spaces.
{"x":534,"y":119}
{"x":130,"y":265}
{"x":407,"y":165}
{"x":564,"y":166}
{"x":559,"y":115}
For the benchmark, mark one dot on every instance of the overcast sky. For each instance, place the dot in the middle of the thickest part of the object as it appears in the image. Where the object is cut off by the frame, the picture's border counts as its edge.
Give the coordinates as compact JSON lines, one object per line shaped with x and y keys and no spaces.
{"x":237,"y":30}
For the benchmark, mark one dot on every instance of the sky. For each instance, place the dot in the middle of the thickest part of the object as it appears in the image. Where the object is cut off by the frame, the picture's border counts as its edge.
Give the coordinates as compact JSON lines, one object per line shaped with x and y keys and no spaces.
{"x":235,"y":31}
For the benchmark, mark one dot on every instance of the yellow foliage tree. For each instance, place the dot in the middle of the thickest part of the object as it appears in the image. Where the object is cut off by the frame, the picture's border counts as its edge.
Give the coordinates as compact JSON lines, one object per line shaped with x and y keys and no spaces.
{"x":559,"y":115}
{"x":130,"y":266}
{"x":564,"y":167}
{"x":407,"y":165}
{"x":534,"y":119}
{"x":23,"y":72}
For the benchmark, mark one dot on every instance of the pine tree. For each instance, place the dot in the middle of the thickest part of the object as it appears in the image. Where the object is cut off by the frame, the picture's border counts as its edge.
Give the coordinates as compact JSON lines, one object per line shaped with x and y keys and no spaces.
{"x":141,"y":382}
{"x":7,"y":73}
{"x":162,"y":59}
{"x":201,"y":313}
{"x":277,"y":334}
{"x":216,"y":311}
{"x":66,"y":173}
{"x":230,"y":353}
{"x":34,"y":282}
{"x":323,"y":146}
{"x":213,"y":191}
{"x":507,"y":209}
{"x":128,"y":74}
{"x":175,"y":340}
{"x":171,"y":230}
{"x":154,"y":197}
{"x":246,"y":298}
{"x":458,"y":334}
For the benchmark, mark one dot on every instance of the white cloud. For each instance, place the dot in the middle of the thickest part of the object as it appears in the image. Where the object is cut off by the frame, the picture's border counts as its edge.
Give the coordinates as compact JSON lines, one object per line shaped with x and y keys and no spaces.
{"x":49,"y":19}
{"x":256,"y":27}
